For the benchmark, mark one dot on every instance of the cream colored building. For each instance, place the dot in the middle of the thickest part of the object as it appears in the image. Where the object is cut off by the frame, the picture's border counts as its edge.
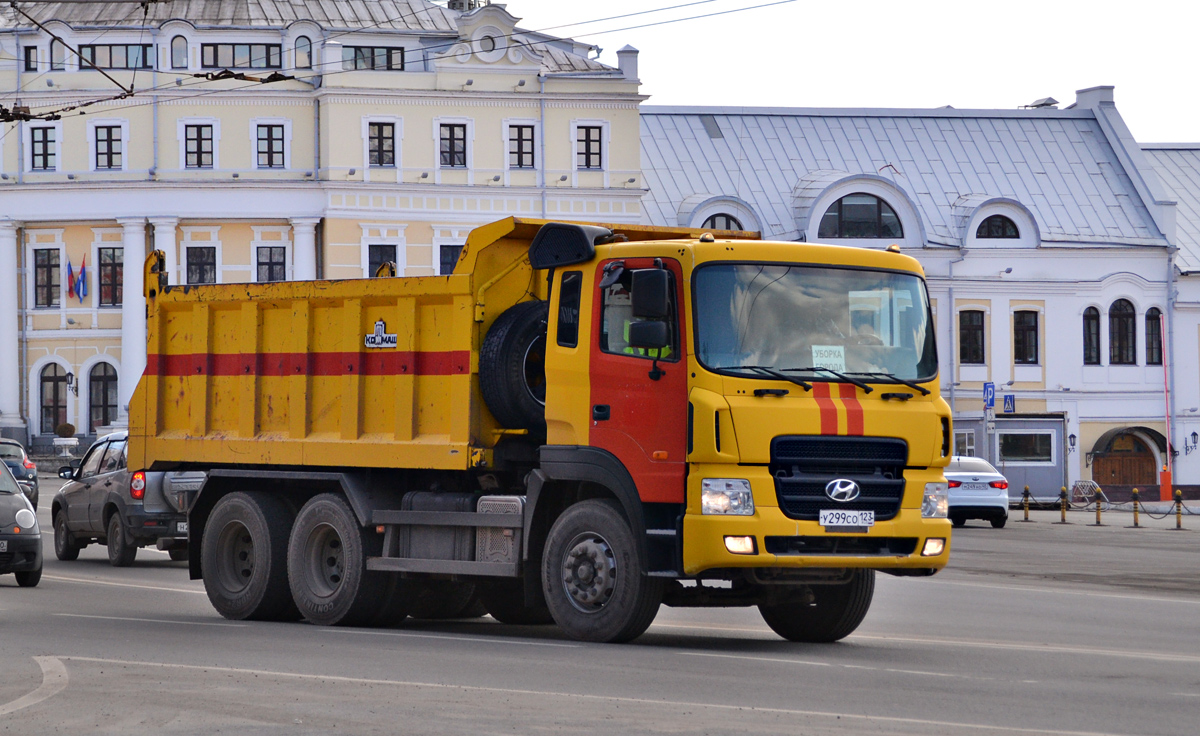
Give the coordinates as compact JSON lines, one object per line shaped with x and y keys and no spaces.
{"x":265,"y":148}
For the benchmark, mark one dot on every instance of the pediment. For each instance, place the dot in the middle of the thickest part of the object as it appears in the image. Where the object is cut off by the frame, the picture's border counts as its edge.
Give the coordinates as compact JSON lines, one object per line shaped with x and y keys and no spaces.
{"x":486,"y":42}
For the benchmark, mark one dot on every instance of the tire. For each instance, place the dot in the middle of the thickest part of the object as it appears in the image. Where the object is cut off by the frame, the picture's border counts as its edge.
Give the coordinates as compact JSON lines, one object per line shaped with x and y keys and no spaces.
{"x":505,"y":601}
{"x":442,"y":599}
{"x":958,"y":521}
{"x":65,"y":546}
{"x":327,"y":565}
{"x":834,"y":614}
{"x":29,"y":578}
{"x":394,"y":603}
{"x":120,"y":552}
{"x":178,"y":555}
{"x":1000,"y":522}
{"x":512,"y":366}
{"x":591,"y":545}
{"x":243,"y":556}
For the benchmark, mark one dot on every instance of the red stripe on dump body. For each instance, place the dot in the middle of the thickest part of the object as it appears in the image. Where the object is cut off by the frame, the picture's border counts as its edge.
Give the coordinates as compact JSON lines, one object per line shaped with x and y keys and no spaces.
{"x":427,"y":363}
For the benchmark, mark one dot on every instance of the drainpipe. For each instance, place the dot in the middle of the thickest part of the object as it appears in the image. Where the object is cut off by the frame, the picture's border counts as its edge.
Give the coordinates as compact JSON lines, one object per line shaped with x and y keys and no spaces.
{"x":1169,"y":354}
{"x":154,"y":102}
{"x":542,"y":140}
{"x":23,"y":339}
{"x":16,"y":103}
{"x":953,"y":342}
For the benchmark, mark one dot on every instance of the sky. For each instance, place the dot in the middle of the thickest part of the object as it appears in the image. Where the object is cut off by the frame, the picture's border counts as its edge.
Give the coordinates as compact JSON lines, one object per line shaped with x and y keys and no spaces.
{"x":915,"y":54}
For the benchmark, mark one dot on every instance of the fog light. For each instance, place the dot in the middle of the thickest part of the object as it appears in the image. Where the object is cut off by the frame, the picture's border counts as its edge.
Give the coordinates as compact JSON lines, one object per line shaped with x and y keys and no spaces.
{"x":741,"y":545}
{"x":933,"y":547}
{"x":936,"y":502}
{"x":726,"y":496}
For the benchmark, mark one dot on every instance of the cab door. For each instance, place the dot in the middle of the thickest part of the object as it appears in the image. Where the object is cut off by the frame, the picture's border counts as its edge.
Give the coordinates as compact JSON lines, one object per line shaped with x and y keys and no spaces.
{"x":639,"y":395}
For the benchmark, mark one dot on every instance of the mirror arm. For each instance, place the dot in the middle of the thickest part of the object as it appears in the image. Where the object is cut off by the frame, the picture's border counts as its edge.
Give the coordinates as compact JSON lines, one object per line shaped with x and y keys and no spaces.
{"x":656,"y":372}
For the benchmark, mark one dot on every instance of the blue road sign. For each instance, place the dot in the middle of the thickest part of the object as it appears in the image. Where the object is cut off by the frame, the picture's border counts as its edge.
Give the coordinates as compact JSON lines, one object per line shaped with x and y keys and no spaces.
{"x":1010,"y":404}
{"x":989,"y":395}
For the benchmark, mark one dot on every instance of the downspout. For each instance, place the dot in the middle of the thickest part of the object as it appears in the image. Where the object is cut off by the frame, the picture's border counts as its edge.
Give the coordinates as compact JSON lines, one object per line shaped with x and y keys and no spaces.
{"x":23,"y":339}
{"x":154,"y":103}
{"x":1168,"y":356}
{"x":953,"y":342}
{"x":17,"y":103}
{"x":542,"y":140}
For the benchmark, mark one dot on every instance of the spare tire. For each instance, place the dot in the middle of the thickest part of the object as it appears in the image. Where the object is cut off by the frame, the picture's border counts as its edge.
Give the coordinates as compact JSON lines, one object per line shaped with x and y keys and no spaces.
{"x":512,"y":366}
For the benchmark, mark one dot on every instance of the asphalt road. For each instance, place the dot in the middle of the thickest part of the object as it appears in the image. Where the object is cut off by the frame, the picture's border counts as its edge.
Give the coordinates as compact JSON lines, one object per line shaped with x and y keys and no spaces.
{"x":1034,"y":629}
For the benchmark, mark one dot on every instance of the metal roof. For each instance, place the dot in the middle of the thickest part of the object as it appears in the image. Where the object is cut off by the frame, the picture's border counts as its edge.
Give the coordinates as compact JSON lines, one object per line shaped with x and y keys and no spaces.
{"x":1178,"y":167}
{"x":1057,"y":163}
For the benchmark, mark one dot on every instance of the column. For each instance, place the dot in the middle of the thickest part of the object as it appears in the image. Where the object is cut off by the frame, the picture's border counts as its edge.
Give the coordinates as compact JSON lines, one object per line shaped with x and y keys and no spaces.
{"x":304,"y":248}
{"x":133,"y":315}
{"x":11,"y":424}
{"x":164,"y":240}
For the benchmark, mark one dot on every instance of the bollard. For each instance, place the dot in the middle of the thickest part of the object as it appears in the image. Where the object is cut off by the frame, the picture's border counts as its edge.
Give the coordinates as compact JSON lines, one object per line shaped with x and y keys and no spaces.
{"x":1135,"y":510}
{"x":1178,"y":509}
{"x":1098,"y":523}
{"x":1062,"y":506}
{"x":1025,"y":502}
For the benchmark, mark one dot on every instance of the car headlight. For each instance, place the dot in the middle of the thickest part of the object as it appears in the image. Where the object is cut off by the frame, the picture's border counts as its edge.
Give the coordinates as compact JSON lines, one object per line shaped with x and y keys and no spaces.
{"x":726,"y":496}
{"x":26,"y":520}
{"x":936,"y":502}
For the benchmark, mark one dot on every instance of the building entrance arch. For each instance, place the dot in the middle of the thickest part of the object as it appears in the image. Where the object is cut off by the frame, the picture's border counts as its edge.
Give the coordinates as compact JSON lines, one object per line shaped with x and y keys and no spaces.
{"x":1130,"y":456}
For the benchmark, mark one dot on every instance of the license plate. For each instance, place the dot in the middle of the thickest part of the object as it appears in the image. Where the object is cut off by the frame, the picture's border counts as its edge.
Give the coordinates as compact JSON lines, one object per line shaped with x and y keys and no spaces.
{"x":181,"y":527}
{"x":838,"y":518}
{"x":4,"y":546}
{"x":975,"y":486}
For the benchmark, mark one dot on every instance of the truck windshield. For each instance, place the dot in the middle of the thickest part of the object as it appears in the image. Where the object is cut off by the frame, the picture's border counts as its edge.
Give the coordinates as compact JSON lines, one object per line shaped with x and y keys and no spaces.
{"x":809,"y":321}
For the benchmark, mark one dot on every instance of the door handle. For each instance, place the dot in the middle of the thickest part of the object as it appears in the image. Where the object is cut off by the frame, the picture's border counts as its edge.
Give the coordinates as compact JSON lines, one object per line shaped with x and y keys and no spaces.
{"x":601,"y":412}
{"x":108,"y":482}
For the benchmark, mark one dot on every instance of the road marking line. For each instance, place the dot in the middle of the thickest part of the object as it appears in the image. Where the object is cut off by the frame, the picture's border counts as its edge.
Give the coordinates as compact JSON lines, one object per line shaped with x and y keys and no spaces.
{"x":121,"y":585}
{"x":54,"y":679}
{"x":150,"y":620}
{"x":831,"y":664}
{"x":451,"y":638}
{"x":606,"y":698}
{"x":1188,"y":695}
{"x":1085,"y":593}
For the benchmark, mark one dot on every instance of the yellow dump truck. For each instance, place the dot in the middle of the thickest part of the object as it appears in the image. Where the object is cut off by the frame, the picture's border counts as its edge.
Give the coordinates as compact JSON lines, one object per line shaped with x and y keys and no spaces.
{"x":578,"y":425}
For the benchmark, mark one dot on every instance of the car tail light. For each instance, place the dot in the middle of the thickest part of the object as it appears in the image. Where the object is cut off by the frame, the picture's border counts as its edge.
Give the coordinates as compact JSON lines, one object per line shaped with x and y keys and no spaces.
{"x":954,"y":483}
{"x":30,"y":465}
{"x":137,"y":485}
{"x":999,"y":484}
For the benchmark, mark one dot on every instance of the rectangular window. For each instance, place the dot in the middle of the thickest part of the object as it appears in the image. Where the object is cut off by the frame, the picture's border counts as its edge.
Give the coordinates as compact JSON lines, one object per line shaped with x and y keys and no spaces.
{"x":31,"y":54}
{"x":202,"y":264}
{"x":1091,"y":336}
{"x":272,"y":263}
{"x":108,"y":147}
{"x":198,"y":142}
{"x":617,"y":315}
{"x":241,"y":55}
{"x":1154,"y":354}
{"x":381,"y":144}
{"x":377,"y":255}
{"x":270,"y":147}
{"x":378,"y":58}
{"x":568,"y":308}
{"x":964,"y":443}
{"x":448,"y":258}
{"x":454,"y":145}
{"x":588,"y":147}
{"x":111,"y":262}
{"x":44,"y":150}
{"x":970,"y":337}
{"x":116,"y":56}
{"x":1025,"y":338}
{"x":1027,"y":447}
{"x":46,"y":284}
{"x":520,"y":147}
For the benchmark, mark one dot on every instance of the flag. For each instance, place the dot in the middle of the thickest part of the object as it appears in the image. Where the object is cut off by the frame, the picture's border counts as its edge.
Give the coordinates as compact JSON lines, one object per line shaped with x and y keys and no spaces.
{"x":70,"y":279}
{"x":81,"y":289}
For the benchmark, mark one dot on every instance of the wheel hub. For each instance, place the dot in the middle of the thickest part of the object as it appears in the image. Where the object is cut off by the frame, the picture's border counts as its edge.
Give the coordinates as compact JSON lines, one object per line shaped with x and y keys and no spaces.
{"x":589,"y":572}
{"x":235,"y":560}
{"x":326,"y":560}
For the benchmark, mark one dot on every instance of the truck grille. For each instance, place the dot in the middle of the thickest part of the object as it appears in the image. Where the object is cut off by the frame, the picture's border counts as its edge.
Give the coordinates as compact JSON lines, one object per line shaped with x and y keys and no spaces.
{"x":802,"y":466}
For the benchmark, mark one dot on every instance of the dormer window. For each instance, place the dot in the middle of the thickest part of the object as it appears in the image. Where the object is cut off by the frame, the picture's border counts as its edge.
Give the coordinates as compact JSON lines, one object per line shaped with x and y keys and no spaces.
{"x":116,"y":56}
{"x":721,"y":221}
{"x":378,"y":58}
{"x":241,"y":56}
{"x":303,"y":53}
{"x":58,"y":56}
{"x":997,"y":226}
{"x":179,"y":53}
{"x":860,"y":216}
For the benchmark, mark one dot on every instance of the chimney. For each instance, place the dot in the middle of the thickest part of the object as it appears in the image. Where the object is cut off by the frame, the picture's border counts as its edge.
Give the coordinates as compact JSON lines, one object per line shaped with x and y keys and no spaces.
{"x":627,"y":62}
{"x":1092,"y":97}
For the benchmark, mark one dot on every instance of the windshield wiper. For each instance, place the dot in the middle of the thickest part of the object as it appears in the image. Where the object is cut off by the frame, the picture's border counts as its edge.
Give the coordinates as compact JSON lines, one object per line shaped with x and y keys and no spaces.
{"x":769,"y":371}
{"x":813,"y":369}
{"x":891,"y":376}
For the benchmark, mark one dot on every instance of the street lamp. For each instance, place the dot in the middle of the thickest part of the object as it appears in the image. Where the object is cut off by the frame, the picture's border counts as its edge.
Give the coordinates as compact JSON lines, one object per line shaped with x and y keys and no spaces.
{"x":1071,"y":441}
{"x":1187,"y":449}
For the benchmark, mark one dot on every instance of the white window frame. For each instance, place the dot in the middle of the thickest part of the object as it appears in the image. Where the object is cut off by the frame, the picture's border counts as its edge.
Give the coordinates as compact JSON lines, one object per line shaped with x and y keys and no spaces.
{"x":438,"y":122}
{"x":897,"y":199}
{"x":508,"y":123}
{"x":287,"y":143}
{"x":1029,"y":235}
{"x":31,"y":273}
{"x":397,"y":124}
{"x":186,"y":242}
{"x":284,"y":242}
{"x":35,"y":394}
{"x":27,"y":135}
{"x":181,"y":126}
{"x":84,"y":381}
{"x":121,"y":123}
{"x":1042,"y":336}
{"x":1025,"y":463}
{"x":605,"y":147}
{"x":98,"y":242}
{"x":969,"y":443}
{"x":448,"y":235}
{"x":389,"y":233}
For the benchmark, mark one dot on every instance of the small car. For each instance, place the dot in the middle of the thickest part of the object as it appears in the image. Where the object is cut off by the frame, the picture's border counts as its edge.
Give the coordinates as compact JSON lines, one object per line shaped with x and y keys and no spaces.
{"x":104,"y":501}
{"x":20,"y":536}
{"x":977,"y":491}
{"x":23,"y":469}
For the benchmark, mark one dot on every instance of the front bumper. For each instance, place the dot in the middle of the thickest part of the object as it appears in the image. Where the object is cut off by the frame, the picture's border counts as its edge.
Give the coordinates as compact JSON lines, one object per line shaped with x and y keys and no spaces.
{"x":24,"y":553}
{"x":704,"y":536}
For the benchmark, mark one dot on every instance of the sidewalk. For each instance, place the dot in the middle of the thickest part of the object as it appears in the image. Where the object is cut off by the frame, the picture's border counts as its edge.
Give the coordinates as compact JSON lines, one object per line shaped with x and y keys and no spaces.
{"x":1118,"y":517}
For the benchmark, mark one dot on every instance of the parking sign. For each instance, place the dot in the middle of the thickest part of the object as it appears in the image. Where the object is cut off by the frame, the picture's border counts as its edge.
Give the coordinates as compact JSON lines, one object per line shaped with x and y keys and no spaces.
{"x":989,"y":395}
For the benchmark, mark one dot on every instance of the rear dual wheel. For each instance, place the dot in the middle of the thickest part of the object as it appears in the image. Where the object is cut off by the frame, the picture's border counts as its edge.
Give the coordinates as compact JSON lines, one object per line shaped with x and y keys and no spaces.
{"x":244,"y":558}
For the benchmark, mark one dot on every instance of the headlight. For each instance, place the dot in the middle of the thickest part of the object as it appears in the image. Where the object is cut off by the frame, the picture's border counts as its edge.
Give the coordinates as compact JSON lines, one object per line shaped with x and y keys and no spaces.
{"x":726,"y":496}
{"x":936,"y":502}
{"x":26,"y":520}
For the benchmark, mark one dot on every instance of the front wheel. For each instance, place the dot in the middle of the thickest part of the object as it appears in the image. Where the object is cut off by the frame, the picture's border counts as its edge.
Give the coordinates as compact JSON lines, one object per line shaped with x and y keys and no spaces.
{"x":834,"y":613}
{"x":65,"y":546}
{"x":29,"y":578}
{"x":594,"y":580}
{"x":120,"y":552}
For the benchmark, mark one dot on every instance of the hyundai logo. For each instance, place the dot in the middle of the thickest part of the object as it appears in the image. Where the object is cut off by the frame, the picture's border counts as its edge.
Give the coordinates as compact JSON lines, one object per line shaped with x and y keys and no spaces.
{"x":842,"y":490}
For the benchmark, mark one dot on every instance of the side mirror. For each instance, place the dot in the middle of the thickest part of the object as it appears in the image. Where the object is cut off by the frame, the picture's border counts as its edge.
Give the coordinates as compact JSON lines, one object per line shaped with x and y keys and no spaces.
{"x":66,"y":472}
{"x":651,"y":293}
{"x":649,"y":335}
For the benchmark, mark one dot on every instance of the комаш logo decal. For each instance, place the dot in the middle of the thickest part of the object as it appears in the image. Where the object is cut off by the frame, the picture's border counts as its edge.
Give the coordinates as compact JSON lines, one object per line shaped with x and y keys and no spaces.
{"x":379,"y":338}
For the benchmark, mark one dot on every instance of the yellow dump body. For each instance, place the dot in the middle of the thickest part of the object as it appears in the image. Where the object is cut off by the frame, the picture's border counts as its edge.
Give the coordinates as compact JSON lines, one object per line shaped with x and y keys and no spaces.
{"x":378,"y":373}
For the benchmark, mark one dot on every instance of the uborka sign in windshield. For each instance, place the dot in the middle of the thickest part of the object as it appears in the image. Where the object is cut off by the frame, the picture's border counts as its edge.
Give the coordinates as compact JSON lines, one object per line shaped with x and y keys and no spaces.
{"x":379,"y":338}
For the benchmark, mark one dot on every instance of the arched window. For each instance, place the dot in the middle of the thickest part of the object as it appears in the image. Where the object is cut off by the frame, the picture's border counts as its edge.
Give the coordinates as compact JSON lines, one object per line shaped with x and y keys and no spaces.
{"x":58,"y":55}
{"x":997,"y":226}
{"x":1122,"y":333}
{"x":1091,"y":336}
{"x":1154,"y":353}
{"x":54,"y":397}
{"x":102,"y":395}
{"x":722,"y":221}
{"x":303,"y":53}
{"x":860,"y":216}
{"x":179,"y":53}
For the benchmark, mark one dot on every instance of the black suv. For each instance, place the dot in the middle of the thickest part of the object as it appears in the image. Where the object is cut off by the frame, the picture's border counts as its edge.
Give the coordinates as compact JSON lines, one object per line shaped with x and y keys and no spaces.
{"x":23,"y":469}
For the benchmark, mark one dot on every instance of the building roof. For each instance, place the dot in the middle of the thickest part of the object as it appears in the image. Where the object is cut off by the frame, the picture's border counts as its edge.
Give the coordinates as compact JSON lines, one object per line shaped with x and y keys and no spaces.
{"x":1057,"y":163}
{"x":1178,"y":167}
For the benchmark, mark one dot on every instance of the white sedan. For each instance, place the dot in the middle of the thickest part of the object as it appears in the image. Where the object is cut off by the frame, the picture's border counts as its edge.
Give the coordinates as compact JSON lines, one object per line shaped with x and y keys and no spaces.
{"x":977,"y":491}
